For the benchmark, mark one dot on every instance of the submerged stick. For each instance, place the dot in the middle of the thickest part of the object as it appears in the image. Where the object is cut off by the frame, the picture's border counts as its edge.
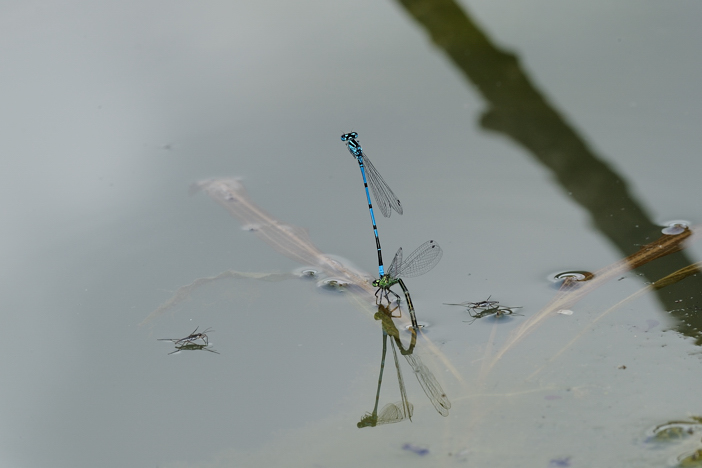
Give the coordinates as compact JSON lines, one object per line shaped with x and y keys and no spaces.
{"x":572,"y":290}
{"x":291,"y":241}
{"x":183,"y":292}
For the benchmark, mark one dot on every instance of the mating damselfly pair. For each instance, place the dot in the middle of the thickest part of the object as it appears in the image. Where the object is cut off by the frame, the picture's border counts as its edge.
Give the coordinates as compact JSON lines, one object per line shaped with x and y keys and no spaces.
{"x":423,"y":259}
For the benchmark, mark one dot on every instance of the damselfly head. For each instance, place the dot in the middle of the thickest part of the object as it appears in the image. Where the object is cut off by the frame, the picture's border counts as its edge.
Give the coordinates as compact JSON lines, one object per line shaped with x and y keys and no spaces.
{"x":376,"y":283}
{"x":348,"y":136}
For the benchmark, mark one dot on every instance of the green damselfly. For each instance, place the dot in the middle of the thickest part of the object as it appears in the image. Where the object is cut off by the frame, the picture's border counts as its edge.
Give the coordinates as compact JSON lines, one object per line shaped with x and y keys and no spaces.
{"x":423,"y":259}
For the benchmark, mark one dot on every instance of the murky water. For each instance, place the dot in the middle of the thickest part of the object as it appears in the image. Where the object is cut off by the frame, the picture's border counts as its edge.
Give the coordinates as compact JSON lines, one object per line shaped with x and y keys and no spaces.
{"x":534,"y":141}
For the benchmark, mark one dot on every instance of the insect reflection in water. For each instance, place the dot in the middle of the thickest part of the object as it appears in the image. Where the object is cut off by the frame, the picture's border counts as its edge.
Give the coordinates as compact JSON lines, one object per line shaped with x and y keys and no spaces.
{"x":193,"y":347}
{"x":496,"y":312}
{"x":403,"y":409}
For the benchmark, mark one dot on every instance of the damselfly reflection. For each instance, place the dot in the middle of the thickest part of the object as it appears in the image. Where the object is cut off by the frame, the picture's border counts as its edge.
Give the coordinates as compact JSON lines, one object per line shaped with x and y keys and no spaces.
{"x":403,"y":409}
{"x":191,"y":338}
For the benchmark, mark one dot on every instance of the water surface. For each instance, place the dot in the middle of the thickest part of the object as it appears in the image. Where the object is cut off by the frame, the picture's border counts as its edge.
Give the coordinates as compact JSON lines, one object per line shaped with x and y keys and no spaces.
{"x":527,"y":138}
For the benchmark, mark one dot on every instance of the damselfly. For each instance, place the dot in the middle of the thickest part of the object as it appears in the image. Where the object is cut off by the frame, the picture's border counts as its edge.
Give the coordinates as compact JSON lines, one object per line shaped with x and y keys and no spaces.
{"x":423,"y":259}
{"x":384,"y":197}
{"x":191,"y":338}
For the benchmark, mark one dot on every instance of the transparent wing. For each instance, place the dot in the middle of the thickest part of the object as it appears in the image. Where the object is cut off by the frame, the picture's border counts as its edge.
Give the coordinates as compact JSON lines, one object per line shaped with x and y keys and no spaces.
{"x":394,"y":267}
{"x":421,"y":260}
{"x":392,"y":413}
{"x":385,"y":199}
{"x":407,"y":407}
{"x":431,"y":387}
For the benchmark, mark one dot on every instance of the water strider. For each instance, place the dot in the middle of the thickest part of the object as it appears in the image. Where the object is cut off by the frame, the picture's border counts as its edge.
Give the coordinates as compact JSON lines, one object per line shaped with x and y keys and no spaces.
{"x":384,"y":197}
{"x":475,"y":306}
{"x":191,"y":338}
{"x":485,"y":308}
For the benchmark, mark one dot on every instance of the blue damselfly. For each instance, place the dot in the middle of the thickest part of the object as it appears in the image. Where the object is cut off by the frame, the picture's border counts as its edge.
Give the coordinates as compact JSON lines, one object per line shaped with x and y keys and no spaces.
{"x":384,"y":197}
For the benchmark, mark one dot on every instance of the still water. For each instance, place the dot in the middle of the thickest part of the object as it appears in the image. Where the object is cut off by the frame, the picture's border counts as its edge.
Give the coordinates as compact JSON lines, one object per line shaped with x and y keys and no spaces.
{"x":528,"y":139}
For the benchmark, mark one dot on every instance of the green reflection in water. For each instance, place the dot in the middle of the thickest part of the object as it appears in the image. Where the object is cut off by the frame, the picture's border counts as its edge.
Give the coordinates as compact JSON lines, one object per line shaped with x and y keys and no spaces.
{"x":396,"y":412}
{"x":691,"y":460}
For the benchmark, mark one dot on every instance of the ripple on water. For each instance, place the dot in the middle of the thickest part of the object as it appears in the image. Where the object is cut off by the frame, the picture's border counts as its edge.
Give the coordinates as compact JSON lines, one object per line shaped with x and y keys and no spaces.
{"x":675,"y":227}
{"x":333,"y":284}
{"x":573,"y":275}
{"x":251,"y":227}
{"x":306,"y":272}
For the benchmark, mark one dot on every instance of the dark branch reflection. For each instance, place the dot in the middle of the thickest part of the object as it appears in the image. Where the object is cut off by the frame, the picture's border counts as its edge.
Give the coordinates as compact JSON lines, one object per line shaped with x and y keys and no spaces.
{"x":517,"y":109}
